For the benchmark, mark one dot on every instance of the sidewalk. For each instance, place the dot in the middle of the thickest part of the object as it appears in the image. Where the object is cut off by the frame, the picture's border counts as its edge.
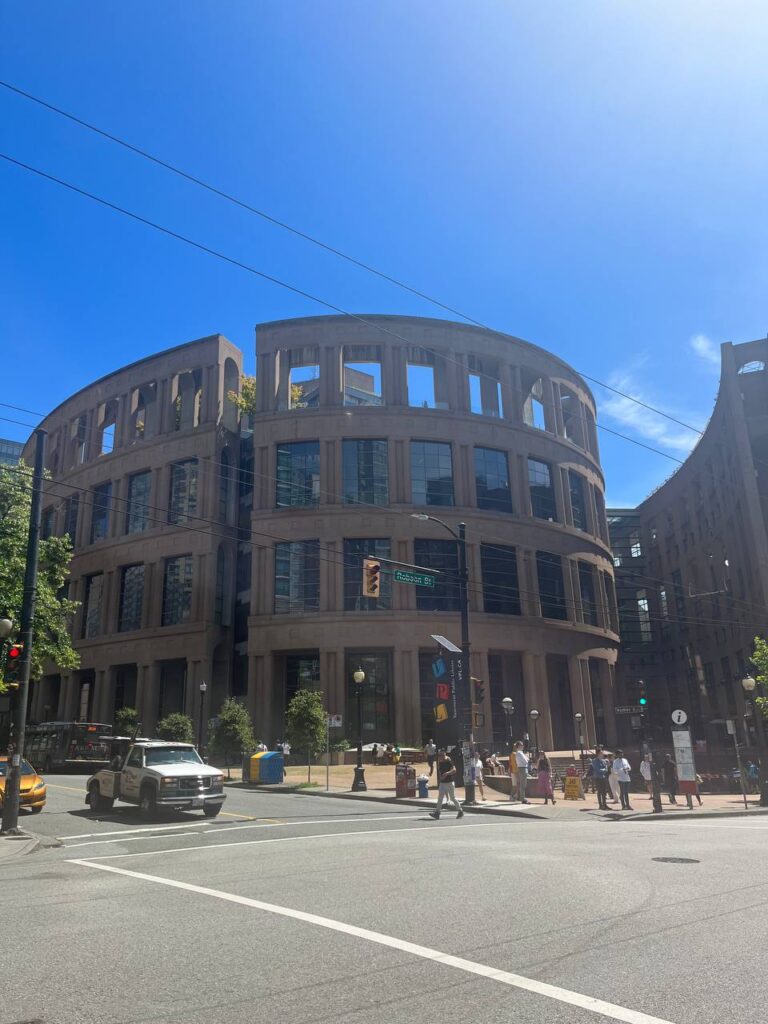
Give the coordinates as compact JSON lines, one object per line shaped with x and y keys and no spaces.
{"x":16,"y":846}
{"x":380,"y":782}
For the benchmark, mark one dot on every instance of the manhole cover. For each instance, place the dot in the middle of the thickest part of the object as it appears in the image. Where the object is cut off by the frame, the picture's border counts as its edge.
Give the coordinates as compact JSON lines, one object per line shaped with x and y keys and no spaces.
{"x":675,"y":860}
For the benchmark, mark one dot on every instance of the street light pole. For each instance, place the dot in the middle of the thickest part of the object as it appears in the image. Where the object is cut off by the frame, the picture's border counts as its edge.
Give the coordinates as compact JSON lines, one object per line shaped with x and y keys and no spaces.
{"x":358,"y":784}
{"x":466,"y":696}
{"x":533,"y":714}
{"x":508,"y":706}
{"x":203,"y":688}
{"x":749,"y":685}
{"x":579,"y":718}
{"x":10,"y":819}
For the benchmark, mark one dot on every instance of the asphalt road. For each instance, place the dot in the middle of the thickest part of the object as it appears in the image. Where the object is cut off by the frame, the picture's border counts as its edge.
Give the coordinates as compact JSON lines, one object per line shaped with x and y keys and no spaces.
{"x":300,"y":909}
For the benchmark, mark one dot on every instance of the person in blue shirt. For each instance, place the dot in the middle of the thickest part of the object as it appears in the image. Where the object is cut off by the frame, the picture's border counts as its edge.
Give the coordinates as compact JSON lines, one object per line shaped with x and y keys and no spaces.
{"x":753,"y":776}
{"x":600,"y":769}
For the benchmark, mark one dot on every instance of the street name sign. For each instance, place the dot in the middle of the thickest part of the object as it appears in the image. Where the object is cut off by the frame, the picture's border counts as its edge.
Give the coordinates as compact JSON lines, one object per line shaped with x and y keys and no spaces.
{"x":628,"y":709}
{"x":421,"y":579}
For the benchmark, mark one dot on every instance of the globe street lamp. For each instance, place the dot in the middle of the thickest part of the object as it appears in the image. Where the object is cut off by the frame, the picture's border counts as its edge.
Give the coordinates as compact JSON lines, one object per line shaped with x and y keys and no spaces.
{"x":508,"y":706}
{"x":358,"y":784}
{"x":579,"y":718}
{"x":203,"y":688}
{"x":6,"y":625}
{"x":533,"y":714}
{"x":749,"y":685}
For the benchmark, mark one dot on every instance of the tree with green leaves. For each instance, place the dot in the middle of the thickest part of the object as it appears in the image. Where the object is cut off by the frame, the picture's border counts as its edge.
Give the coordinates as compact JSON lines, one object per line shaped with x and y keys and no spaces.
{"x":176,"y":727}
{"x":125,"y":721}
{"x":233,"y":735}
{"x":53,"y":610}
{"x":760,"y":660}
{"x":305,"y":724}
{"x":245,"y":398}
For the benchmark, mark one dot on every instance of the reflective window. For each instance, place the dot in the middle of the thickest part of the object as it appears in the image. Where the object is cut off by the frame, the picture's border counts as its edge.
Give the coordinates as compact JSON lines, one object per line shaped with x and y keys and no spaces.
{"x":94,"y":589}
{"x":443,"y":556}
{"x":355,"y":550}
{"x":298,"y":474}
{"x":644,"y":617}
{"x":587,"y":591}
{"x":549,"y":569}
{"x":182,"y":500}
{"x":542,"y":490}
{"x":47,"y":523}
{"x":137,"y":509}
{"x":578,"y":499}
{"x":501,"y":593}
{"x":431,"y":473}
{"x":297,"y":577}
{"x":492,"y":480}
{"x":365,"y":472}
{"x":102,"y":499}
{"x":177,"y":590}
{"x":131,"y":598}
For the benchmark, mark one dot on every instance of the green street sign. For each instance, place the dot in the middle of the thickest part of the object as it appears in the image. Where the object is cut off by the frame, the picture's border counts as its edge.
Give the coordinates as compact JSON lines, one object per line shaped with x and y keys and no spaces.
{"x":419,"y":578}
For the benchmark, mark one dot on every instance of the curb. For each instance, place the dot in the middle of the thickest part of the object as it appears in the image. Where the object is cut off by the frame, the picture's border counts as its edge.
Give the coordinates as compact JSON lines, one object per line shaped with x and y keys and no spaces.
{"x":687,"y":815}
{"x":14,"y":847}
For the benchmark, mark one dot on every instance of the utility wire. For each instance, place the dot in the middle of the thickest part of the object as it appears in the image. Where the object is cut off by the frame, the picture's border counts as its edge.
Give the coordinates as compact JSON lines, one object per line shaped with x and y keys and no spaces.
{"x":310,"y":238}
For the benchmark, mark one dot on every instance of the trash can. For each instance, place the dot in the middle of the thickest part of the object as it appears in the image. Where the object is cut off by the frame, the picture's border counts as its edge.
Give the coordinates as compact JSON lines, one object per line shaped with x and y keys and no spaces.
{"x":405,"y":780}
{"x":267,"y":768}
{"x":423,"y":781}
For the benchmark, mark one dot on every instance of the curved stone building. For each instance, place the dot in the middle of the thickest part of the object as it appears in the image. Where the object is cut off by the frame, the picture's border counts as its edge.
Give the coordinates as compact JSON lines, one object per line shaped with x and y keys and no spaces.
{"x":213,"y":550}
{"x":358,"y":427}
{"x":143,"y":466}
{"x":692,"y":566}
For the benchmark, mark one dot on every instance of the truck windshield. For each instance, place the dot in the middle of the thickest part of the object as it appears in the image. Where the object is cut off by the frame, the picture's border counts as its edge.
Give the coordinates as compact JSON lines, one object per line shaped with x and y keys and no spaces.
{"x":171,"y":755}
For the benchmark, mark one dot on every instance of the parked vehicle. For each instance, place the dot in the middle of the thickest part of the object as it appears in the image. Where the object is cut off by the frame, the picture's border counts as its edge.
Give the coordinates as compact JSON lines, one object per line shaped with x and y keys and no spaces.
{"x":32,"y":792}
{"x":155,"y":774}
{"x":57,"y":745}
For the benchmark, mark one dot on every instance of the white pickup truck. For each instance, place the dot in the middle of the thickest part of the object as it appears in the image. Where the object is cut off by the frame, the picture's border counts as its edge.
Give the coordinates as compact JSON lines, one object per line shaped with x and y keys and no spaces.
{"x":156,"y":774}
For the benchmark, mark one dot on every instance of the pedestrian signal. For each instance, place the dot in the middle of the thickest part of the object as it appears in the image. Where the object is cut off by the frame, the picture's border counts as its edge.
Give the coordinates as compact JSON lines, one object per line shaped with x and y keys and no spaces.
{"x":371,"y":577}
{"x":479,"y":685}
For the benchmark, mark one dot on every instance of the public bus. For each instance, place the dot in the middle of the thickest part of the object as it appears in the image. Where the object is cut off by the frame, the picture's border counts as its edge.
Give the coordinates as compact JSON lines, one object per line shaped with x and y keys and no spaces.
{"x":52,"y":746}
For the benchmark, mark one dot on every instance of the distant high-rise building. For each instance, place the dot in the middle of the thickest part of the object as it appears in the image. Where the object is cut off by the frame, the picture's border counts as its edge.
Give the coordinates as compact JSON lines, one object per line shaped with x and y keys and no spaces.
{"x":10,"y":452}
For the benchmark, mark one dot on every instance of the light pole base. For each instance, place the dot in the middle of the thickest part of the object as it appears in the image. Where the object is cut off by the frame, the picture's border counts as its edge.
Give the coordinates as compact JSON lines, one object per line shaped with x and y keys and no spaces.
{"x":358,"y":784}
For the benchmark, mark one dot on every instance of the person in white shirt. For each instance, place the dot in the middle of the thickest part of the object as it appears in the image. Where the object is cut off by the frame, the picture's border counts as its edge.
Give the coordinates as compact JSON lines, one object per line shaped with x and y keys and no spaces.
{"x":261,"y":747}
{"x":430,"y":749}
{"x":478,"y":766}
{"x":646,"y":770}
{"x":519,"y":759}
{"x":622,"y":768}
{"x":613,"y":783}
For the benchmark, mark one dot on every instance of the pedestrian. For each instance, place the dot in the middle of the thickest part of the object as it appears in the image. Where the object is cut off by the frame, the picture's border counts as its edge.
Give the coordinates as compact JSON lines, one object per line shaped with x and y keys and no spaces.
{"x":286,"y":750}
{"x":261,"y":747}
{"x":669,"y":771}
{"x":588,"y":779}
{"x":520,"y":763}
{"x":697,"y":791}
{"x":622,"y":768}
{"x":545,"y":778}
{"x":753,"y":776}
{"x":613,"y":782}
{"x":600,"y":775}
{"x":478,"y":765}
{"x":446,"y":785}
{"x":430,"y":749}
{"x":646,"y":770}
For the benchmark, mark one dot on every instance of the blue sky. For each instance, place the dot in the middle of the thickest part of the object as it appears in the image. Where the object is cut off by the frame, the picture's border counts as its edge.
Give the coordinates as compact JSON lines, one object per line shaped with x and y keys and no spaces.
{"x":589,"y":176}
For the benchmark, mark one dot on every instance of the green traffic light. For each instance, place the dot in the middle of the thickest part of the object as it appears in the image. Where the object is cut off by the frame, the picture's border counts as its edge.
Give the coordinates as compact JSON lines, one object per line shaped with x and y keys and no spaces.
{"x":643,"y":701}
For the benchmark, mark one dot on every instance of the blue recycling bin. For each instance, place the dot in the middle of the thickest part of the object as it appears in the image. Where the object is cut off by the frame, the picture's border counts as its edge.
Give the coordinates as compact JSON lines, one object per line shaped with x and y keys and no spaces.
{"x":267,"y":768}
{"x":423,"y":788}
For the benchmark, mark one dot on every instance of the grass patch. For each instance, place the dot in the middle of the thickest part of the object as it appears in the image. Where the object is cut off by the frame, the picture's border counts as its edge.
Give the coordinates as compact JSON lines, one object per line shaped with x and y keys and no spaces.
{"x":308,"y":785}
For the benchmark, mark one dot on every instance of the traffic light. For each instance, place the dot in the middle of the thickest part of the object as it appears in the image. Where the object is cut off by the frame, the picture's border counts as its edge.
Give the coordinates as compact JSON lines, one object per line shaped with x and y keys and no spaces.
{"x":371,"y":577}
{"x":479,"y":685}
{"x":642,"y":700}
{"x":12,"y":665}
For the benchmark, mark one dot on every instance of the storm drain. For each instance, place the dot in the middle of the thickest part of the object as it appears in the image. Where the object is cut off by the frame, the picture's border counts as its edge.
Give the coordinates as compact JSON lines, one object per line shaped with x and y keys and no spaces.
{"x":675,"y":860}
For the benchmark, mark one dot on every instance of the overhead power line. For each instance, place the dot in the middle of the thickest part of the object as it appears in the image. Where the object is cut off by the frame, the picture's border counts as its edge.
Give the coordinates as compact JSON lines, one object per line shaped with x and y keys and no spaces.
{"x":188,"y":176}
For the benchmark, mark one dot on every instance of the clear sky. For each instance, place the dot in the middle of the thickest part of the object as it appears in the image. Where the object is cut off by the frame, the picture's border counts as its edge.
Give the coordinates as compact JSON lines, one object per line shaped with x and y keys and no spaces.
{"x":590,"y":176}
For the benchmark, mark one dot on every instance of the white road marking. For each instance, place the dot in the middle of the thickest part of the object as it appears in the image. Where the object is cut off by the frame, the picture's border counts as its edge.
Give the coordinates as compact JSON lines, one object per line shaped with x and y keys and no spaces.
{"x":288,"y":839}
{"x":562,"y":995}
{"x":226,"y":827}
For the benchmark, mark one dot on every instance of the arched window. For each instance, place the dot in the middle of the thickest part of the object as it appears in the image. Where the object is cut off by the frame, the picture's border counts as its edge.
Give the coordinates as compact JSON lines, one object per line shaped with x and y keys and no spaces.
{"x":231,"y":383}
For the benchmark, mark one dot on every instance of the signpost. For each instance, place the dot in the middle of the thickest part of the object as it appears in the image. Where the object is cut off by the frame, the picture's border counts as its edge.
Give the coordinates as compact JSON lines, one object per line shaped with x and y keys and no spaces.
{"x":420,"y":579}
{"x":731,"y":727}
{"x":331,"y":722}
{"x":686,"y":766}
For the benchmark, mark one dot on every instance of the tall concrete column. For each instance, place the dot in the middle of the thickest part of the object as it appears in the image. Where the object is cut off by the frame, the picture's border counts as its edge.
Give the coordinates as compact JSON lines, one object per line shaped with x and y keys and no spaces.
{"x":570,"y":596}
{"x":606,"y":676}
{"x":529,"y":582}
{"x":331,"y":376}
{"x":332,"y":681}
{"x":581,"y":698}
{"x":67,"y":699}
{"x":260,"y":698}
{"x":265,"y":383}
{"x":395,"y":375}
{"x":557,"y":484}
{"x":552,"y":417}
{"x":407,"y":691}
{"x":537,"y":695}
{"x":148,"y":697}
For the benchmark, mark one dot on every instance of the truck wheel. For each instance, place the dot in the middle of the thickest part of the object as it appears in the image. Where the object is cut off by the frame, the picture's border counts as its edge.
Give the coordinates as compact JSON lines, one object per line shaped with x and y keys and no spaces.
{"x":147,"y":803}
{"x":211,"y":810}
{"x":96,"y":801}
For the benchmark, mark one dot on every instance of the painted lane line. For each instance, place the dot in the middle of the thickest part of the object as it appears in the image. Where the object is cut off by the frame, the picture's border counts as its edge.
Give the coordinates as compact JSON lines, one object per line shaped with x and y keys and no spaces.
{"x":562,"y":995}
{"x":226,"y":827}
{"x":287,"y":839}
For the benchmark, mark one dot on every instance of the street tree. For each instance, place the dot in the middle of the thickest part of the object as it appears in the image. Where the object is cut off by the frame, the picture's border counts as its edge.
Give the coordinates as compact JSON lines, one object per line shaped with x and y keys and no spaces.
{"x":245,"y":398}
{"x":176,"y":727}
{"x":760,"y":660}
{"x":233,"y":735}
{"x":53,"y":610}
{"x":125,"y":721}
{"x":305,"y":724}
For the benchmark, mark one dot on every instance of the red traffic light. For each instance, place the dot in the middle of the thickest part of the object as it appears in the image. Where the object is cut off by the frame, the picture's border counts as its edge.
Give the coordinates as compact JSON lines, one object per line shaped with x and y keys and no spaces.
{"x":14,"y":652}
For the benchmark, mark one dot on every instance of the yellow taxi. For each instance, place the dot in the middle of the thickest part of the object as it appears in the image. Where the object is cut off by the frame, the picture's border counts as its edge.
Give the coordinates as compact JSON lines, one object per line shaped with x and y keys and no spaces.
{"x":32,"y":788}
